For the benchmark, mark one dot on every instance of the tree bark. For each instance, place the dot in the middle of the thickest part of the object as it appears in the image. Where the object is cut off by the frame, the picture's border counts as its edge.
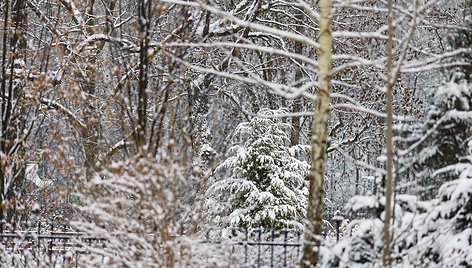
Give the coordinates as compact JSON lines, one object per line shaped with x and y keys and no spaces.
{"x":319,"y":142}
{"x":3,"y":112}
{"x":12,"y":115}
{"x":468,"y":10}
{"x":297,"y":103}
{"x":144,"y":16}
{"x":386,"y":260}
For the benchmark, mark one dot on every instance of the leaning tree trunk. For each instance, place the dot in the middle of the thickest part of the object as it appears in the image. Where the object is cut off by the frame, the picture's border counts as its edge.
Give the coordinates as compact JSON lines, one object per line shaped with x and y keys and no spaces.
{"x":319,"y":141}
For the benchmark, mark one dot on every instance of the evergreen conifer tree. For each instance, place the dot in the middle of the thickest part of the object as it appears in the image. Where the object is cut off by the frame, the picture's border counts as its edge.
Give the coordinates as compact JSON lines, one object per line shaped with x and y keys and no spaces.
{"x":435,"y":231}
{"x":262,"y":183}
{"x":445,"y":135}
{"x":442,"y":235}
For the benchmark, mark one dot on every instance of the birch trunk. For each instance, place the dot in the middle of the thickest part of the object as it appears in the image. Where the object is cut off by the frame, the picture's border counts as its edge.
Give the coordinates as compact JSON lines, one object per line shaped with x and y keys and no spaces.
{"x":319,"y":141}
{"x":386,"y":260}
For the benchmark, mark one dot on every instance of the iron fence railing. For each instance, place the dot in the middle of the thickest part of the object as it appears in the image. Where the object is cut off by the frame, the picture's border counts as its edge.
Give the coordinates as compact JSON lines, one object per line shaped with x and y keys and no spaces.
{"x":242,"y":248}
{"x":267,"y":248}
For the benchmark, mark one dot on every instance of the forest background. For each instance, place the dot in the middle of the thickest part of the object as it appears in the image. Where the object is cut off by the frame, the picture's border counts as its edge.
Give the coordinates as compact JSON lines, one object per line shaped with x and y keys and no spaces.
{"x":185,"y":118}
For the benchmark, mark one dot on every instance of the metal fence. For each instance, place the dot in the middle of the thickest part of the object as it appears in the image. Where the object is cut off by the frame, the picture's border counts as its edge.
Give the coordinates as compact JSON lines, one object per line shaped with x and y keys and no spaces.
{"x":267,"y":248}
{"x":24,"y":249}
{"x":43,"y":246}
{"x":246,"y":248}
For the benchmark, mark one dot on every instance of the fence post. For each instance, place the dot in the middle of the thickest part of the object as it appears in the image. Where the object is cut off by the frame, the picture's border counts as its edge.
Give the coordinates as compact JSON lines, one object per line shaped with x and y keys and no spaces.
{"x":234,"y":236}
{"x":338,"y":218}
{"x":39,"y":242}
{"x":259,"y":247}
{"x":298,"y":247}
{"x":285,"y":246}
{"x":13,"y":244}
{"x":39,"y":233}
{"x":64,"y":258}
{"x":272,"y":250}
{"x":1,"y":230}
{"x":245,"y":247}
{"x":50,"y":240}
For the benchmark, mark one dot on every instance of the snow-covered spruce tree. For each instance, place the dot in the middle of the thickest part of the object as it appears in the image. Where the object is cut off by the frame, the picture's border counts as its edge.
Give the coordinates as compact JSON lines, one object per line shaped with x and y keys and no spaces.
{"x":262,"y":184}
{"x":462,"y":39}
{"x":436,"y":232}
{"x":445,"y":136}
{"x":442,"y":236}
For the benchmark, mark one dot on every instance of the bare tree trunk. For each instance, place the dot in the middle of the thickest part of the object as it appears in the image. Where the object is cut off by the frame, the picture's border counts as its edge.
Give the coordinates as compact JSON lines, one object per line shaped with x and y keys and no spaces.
{"x":90,"y":132}
{"x":12,"y":114}
{"x":295,"y":137}
{"x":3,"y":112}
{"x":297,"y":104}
{"x":386,"y":260}
{"x":468,"y":23}
{"x":468,"y":9}
{"x":319,"y":142}
{"x":144,"y":15}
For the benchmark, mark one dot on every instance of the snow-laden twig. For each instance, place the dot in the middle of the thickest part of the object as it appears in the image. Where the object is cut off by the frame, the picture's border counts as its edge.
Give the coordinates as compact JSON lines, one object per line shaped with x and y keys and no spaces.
{"x":72,"y":8}
{"x":255,"y":26}
{"x":53,"y":104}
{"x":434,"y":61}
{"x":373,"y":112}
{"x":255,"y":47}
{"x":279,"y":89}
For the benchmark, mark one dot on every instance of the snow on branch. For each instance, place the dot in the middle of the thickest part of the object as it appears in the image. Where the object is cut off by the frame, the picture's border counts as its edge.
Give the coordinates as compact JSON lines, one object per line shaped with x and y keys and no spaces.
{"x":450,"y":115}
{"x":279,"y":89}
{"x":434,"y":62}
{"x":356,"y":61}
{"x":308,"y":8}
{"x":71,"y":7}
{"x":49,"y":103}
{"x":254,"y":26}
{"x":123,"y":43}
{"x":51,"y":26}
{"x":376,"y":113}
{"x":247,"y":46}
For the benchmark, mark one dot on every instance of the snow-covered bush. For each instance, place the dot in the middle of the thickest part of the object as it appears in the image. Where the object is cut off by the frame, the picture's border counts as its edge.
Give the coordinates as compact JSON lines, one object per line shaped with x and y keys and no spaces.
{"x":262,"y":183}
{"x":141,"y":206}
